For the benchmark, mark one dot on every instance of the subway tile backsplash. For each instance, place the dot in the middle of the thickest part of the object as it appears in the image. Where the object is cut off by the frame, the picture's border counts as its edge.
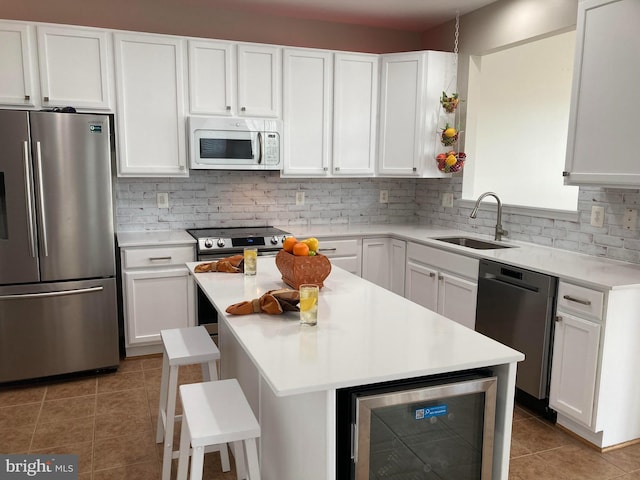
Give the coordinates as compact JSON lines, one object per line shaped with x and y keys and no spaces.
{"x":228,"y":198}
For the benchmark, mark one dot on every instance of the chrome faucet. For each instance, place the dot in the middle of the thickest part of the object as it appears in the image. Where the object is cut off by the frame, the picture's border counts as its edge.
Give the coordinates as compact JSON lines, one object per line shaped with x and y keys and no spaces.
{"x":499,"y":230}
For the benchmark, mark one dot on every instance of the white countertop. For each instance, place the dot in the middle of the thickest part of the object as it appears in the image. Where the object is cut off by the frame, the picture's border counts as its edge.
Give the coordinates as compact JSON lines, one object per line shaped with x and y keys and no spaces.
{"x":588,"y":270}
{"x":365,"y":334}
{"x":154,"y":238}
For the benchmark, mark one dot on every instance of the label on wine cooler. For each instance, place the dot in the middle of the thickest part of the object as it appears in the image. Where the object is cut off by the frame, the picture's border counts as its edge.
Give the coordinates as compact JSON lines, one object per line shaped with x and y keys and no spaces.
{"x":428,"y":412}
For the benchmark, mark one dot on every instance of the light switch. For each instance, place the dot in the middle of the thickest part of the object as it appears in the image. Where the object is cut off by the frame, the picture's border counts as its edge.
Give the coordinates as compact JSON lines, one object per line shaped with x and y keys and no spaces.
{"x":299,"y":198}
{"x":447,"y":200}
{"x":597,"y":216}
{"x":162,"y":199}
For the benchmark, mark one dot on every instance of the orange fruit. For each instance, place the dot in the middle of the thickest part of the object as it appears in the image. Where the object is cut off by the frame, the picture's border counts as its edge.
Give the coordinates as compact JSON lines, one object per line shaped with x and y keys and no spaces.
{"x":301,"y":249}
{"x":288,"y":244}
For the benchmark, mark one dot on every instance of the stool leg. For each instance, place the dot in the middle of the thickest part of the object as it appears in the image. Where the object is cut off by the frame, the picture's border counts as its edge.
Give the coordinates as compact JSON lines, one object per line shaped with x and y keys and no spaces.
{"x":252,"y":458}
{"x":238,"y":452}
{"x":185,"y":442}
{"x":197,"y":463}
{"x":224,"y":457}
{"x":162,"y":409}
{"x":209,"y":371}
{"x":171,"y":418}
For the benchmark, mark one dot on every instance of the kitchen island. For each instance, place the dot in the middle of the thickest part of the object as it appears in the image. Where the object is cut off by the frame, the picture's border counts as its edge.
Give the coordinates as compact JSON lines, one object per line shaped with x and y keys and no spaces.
{"x":365,"y":334}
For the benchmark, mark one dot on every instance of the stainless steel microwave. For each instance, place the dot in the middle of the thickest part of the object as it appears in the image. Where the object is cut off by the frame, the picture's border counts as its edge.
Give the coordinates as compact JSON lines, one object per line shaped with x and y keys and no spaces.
{"x":234,"y":143}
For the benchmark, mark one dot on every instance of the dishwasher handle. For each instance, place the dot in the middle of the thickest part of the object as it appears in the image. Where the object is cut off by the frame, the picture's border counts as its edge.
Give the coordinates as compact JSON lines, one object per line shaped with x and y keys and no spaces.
{"x":506,"y":281}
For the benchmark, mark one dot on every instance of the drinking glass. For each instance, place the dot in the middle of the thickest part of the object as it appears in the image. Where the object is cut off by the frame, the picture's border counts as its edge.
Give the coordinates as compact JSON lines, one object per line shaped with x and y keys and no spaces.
{"x":309,"y":304}
{"x":250,"y":260}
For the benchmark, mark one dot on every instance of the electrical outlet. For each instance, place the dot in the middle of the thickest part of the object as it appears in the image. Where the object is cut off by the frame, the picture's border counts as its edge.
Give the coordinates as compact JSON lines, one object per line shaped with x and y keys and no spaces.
{"x":630,"y":221}
{"x":162,"y":199}
{"x":384,"y":196}
{"x":447,"y":199}
{"x":597,"y":216}
{"x":299,"y":198}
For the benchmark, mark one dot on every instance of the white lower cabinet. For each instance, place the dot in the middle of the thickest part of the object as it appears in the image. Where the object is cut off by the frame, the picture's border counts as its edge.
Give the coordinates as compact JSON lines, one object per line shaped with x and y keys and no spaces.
{"x":442,"y":281}
{"x":158,"y":293}
{"x":383,"y":262}
{"x":343,"y":252}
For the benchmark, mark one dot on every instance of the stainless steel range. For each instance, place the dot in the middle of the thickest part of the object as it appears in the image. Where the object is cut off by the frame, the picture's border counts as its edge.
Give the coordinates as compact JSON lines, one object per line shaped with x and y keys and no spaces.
{"x":214,"y":243}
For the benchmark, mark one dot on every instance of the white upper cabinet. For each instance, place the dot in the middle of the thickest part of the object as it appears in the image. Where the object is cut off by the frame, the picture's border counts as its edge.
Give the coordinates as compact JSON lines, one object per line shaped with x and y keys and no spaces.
{"x":234,"y":80}
{"x":603,"y":141}
{"x":17,"y":57}
{"x":410,"y":89}
{"x":49,"y":66}
{"x":259,"y":80}
{"x":308,"y":90}
{"x":150,"y":72}
{"x":211,"y":78}
{"x":355,"y":113}
{"x":75,"y":67}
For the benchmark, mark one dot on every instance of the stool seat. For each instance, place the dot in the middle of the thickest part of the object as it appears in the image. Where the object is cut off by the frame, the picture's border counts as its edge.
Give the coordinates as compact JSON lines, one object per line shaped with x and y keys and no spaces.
{"x":215,"y":413}
{"x":182,"y":347}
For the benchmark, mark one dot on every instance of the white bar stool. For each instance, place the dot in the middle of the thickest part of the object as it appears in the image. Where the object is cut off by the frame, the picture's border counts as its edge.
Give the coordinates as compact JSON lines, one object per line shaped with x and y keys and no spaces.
{"x":214,"y":413}
{"x":183,"y":346}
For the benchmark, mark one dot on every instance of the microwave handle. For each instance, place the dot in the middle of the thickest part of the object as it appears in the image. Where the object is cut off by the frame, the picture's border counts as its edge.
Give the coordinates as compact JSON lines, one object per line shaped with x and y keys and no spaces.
{"x":260,"y":147}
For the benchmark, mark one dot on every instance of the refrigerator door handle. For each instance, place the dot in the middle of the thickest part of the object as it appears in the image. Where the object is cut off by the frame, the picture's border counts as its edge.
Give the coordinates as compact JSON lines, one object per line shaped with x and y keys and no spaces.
{"x":28,"y":193}
{"x":50,"y":294}
{"x":43,"y":220}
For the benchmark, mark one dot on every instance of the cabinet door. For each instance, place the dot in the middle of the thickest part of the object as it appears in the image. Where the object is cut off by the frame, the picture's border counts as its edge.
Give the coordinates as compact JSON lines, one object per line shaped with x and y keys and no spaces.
{"x":259,"y":80}
{"x":375,"y":261}
{"x":151,"y":120}
{"x":75,"y":67}
{"x":421,"y":285}
{"x":398,"y":266}
{"x":211,"y":78}
{"x":345,"y":253}
{"x":400,"y":86}
{"x":307,"y":86}
{"x":457,"y":299}
{"x":355,"y":113}
{"x":155,"y":300}
{"x":17,"y":75}
{"x":604,"y":111}
{"x":574,"y":367}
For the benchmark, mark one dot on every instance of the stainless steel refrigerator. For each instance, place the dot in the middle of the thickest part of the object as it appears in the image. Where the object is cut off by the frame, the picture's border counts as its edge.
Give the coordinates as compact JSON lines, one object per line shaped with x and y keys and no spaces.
{"x":57,"y":256}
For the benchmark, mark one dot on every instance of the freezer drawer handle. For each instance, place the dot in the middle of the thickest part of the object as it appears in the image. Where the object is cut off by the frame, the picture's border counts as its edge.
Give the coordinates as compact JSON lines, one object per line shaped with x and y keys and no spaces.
{"x":29,"y":196}
{"x":51,"y":294}
{"x":159,"y":259}
{"x":577,"y":300}
{"x":41,"y":195}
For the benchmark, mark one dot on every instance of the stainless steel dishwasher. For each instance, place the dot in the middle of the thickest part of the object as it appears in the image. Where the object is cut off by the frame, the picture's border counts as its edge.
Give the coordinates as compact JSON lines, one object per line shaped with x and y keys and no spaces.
{"x":516,"y":307}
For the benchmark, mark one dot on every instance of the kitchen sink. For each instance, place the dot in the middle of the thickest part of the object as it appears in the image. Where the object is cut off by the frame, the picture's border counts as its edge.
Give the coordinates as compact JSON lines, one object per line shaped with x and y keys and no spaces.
{"x":472,"y":243}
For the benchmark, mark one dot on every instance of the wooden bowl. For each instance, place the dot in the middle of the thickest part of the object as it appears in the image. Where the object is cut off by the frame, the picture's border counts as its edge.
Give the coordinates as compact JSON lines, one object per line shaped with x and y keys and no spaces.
{"x":297,"y":270}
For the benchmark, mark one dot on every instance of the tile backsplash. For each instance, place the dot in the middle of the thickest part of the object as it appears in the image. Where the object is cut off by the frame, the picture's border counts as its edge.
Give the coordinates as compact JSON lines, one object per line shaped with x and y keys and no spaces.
{"x":225,"y":198}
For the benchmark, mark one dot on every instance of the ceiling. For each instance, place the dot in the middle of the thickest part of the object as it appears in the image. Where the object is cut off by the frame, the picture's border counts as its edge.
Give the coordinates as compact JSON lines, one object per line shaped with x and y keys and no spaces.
{"x":415,"y":15}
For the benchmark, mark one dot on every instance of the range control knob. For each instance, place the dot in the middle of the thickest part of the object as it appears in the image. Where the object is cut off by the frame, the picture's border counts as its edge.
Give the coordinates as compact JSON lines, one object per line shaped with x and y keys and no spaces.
{"x":274,"y":240}
{"x":220,"y":242}
{"x":208,"y":243}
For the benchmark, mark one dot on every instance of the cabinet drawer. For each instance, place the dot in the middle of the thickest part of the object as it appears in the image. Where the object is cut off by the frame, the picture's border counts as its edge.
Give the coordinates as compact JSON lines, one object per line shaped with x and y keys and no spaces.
{"x":443,"y":260}
{"x":580,"y":300}
{"x":157,"y":256}
{"x":345,"y":247}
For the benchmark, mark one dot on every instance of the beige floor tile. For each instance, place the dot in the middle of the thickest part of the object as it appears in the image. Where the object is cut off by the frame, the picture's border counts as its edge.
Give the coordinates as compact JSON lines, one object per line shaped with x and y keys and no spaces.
{"x":152,"y":378}
{"x":83,"y":450}
{"x":518,"y":449}
{"x":537,"y":436}
{"x":126,"y":402}
{"x":117,"y":424}
{"x":578,"y":462}
{"x":73,"y":388}
{"x":150,"y":363}
{"x":64,"y":432}
{"x":630,"y":476}
{"x":628,"y":459}
{"x":68,"y":408}
{"x":532,"y":468}
{"x":21,"y":395}
{"x":520,"y":414}
{"x":16,"y":440}
{"x":20,"y":415}
{"x":130,"y":365}
{"x":140,"y":471}
{"x":119,"y":381}
{"x":85,"y":476}
{"x":122,"y":451}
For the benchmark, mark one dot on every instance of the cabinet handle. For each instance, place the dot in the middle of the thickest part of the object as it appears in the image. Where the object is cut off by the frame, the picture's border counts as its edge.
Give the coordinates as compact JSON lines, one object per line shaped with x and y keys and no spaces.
{"x":440,"y":277}
{"x":46,"y":99}
{"x":327,"y":249}
{"x":558,"y":318}
{"x":228,"y":108}
{"x":337,"y":169}
{"x":244,"y":109}
{"x":577,"y":300}
{"x":325,"y":168}
{"x":431,"y":274}
{"x":414,"y":169}
{"x":27,"y":97}
{"x":159,"y":259}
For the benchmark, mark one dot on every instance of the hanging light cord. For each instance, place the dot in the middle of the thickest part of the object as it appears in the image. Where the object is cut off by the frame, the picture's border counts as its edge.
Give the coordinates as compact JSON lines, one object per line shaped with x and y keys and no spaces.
{"x":457,"y":32}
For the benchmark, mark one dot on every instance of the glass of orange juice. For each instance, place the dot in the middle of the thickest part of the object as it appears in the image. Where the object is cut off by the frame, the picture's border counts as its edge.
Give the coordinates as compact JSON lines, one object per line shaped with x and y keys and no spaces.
{"x":309,"y":304}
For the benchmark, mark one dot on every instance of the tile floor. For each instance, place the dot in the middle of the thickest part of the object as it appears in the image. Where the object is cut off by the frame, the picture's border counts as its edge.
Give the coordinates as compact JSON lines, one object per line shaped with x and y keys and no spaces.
{"x":110,"y":420}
